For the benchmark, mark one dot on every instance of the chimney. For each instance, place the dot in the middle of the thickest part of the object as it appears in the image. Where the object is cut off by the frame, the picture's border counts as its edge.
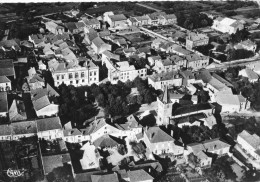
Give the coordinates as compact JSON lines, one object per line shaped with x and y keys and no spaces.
{"x":172,"y":133}
{"x":151,"y":135}
{"x":86,"y":94}
{"x":149,"y":170}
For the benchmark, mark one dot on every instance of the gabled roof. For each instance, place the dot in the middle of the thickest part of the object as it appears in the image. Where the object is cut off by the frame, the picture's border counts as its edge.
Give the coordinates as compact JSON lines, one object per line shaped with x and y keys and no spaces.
{"x":104,"y":178}
{"x":98,"y":42}
{"x":6,"y":67}
{"x":107,"y":141}
{"x":71,"y":26}
{"x":47,"y":124}
{"x":139,"y":175}
{"x":118,"y":17}
{"x":71,"y":132}
{"x":4,"y":79}
{"x":90,"y":21}
{"x":53,"y":161}
{"x":192,"y":108}
{"x":51,"y":24}
{"x":24,"y":127}
{"x":253,"y":140}
{"x":131,"y":123}
{"x":157,"y":135}
{"x":227,"y":99}
{"x":9,"y":44}
{"x":4,"y":102}
{"x":250,"y":74}
{"x":41,"y":103}
{"x":5,"y":130}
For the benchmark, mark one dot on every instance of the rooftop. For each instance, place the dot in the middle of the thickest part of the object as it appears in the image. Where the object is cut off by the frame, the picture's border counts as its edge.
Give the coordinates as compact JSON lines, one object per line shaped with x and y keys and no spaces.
{"x":54,"y":161}
{"x":6,"y":67}
{"x":24,"y":127}
{"x":157,"y":135}
{"x":192,"y":108}
{"x":227,"y":99}
{"x":139,"y":175}
{"x":252,"y":139}
{"x":47,"y":124}
{"x":4,"y":102}
{"x":4,"y":79}
{"x":164,"y":76}
{"x":196,"y":36}
{"x":118,"y":17}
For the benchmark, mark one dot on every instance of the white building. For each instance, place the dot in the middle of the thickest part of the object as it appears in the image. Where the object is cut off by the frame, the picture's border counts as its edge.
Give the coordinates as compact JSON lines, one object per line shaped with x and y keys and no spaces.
{"x":250,"y":143}
{"x":72,"y":135}
{"x":123,"y":71}
{"x":77,"y":75}
{"x":227,"y":25}
{"x":250,"y":74}
{"x":49,"y":128}
{"x":5,"y":84}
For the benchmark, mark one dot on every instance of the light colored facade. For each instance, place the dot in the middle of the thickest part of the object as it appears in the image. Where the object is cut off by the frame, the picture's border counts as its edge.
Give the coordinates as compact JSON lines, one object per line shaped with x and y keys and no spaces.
{"x":250,"y":74}
{"x":99,"y":46}
{"x":227,"y":25}
{"x":54,"y":28}
{"x":123,"y":72}
{"x":49,"y":128}
{"x":196,"y":61}
{"x":5,"y":84}
{"x":117,"y":20}
{"x":196,"y":40}
{"x":72,"y":135}
{"x":159,"y":81}
{"x":160,"y":142}
{"x":165,"y":65}
{"x":76,"y":76}
{"x":250,"y":143}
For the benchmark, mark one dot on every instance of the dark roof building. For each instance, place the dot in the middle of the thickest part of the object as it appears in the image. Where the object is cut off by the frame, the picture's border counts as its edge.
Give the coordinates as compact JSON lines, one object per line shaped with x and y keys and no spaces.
{"x":47,"y":124}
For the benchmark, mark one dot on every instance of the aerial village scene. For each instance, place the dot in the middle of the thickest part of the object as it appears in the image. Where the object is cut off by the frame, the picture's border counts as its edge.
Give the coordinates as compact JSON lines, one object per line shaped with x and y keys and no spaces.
{"x":149,"y":91}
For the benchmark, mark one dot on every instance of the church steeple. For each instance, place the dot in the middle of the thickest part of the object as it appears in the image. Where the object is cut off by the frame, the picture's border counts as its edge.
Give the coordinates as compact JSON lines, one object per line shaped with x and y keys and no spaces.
{"x":166,"y":97}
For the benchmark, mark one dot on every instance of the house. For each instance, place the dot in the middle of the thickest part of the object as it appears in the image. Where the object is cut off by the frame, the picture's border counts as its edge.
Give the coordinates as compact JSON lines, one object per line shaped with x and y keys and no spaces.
{"x":108,"y":141}
{"x":156,"y":44}
{"x":7,"y":68}
{"x":227,"y":25}
{"x":23,"y":129}
{"x":90,"y":159}
{"x":204,"y":150}
{"x":250,"y":74}
{"x":72,"y":28}
{"x":153,"y":59}
{"x":5,"y":132}
{"x":169,"y":19}
{"x":104,"y":177}
{"x":156,"y":18}
{"x":164,"y":65}
{"x":116,"y":20}
{"x":76,"y":75}
{"x":9,"y":45}
{"x":54,"y":28}
{"x":160,"y":142}
{"x":72,"y":135}
{"x":247,"y":45}
{"x":51,"y":162}
{"x":131,"y":127}
{"x":17,"y":110}
{"x":179,"y":61}
{"x":101,"y":127}
{"x":99,"y":46}
{"x":107,"y":56}
{"x":250,"y":143}
{"x":123,"y":71}
{"x":49,"y":128}
{"x":244,"y":103}
{"x":43,"y":107}
{"x":188,"y":77}
{"x":255,"y":67}
{"x":5,"y":84}
{"x":229,"y":102}
{"x":195,"y":40}
{"x":93,"y":23}
{"x":139,"y":175}
{"x":196,"y":61}
{"x":3,"y":107}
{"x":138,"y":20}
{"x":159,"y":81}
{"x":34,"y":80}
{"x":80,"y":26}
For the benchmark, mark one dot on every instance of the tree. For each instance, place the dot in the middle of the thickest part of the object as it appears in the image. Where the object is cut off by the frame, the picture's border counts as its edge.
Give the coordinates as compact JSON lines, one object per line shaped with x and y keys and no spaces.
{"x":101,"y":100}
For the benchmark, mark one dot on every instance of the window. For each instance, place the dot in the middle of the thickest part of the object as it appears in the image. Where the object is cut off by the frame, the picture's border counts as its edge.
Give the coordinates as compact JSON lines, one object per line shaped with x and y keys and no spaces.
{"x":90,"y":79}
{"x":62,"y":77}
{"x":83,"y":80}
{"x":71,"y":82}
{"x":82,"y":74}
{"x":58,"y":83}
{"x":70,"y":76}
{"x":76,"y":75}
{"x":77,"y":81}
{"x":90,"y":73}
{"x":95,"y":73}
{"x":58,"y":77}
{"x":94,"y":79}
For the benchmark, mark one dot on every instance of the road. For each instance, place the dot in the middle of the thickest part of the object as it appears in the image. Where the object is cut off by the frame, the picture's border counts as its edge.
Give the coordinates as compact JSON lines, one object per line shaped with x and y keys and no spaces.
{"x":148,"y":7}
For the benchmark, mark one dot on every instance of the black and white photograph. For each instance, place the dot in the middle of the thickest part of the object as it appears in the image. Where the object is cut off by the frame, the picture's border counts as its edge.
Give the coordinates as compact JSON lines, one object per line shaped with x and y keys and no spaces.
{"x":129,"y":91}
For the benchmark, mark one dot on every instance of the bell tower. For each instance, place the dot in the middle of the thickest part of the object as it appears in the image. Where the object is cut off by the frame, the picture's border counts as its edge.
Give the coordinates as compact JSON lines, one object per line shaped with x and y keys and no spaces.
{"x":164,"y":108}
